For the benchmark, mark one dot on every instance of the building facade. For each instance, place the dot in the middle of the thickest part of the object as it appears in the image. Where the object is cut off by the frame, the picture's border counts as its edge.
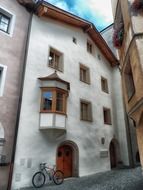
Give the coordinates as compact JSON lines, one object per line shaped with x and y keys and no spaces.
{"x":14,"y":21}
{"x":107,"y":34}
{"x":128,"y":38}
{"x":69,"y":116}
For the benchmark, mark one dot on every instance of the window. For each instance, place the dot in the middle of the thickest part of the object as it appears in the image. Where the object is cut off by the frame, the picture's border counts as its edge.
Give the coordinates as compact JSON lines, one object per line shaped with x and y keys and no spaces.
{"x":104,"y":84}
{"x":85,"y":110}
{"x":4,"y":23}
{"x":74,"y":40}
{"x":84,"y":74}
{"x":99,"y":56}
{"x":55,"y":60}
{"x":89,"y":47}
{"x":129,"y":81}
{"x":53,"y":100}
{"x":107,"y":116}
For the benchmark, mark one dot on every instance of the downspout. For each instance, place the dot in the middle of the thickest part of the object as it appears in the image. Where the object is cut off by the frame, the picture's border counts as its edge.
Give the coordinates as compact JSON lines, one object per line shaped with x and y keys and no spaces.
{"x":20,"y":100}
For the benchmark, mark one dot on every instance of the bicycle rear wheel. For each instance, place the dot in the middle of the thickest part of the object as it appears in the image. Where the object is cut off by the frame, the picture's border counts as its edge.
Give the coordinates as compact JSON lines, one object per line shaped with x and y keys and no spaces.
{"x":38,"y":179}
{"x":58,"y":177}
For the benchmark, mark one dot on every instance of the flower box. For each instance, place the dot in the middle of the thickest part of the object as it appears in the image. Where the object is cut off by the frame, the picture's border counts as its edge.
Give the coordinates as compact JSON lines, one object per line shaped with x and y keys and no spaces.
{"x":118,"y":36}
{"x":137,"y":5}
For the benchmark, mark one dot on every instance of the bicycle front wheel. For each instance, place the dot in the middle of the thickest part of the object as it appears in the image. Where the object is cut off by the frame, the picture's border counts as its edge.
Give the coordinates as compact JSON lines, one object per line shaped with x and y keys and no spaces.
{"x":38,"y":179}
{"x":58,"y":177}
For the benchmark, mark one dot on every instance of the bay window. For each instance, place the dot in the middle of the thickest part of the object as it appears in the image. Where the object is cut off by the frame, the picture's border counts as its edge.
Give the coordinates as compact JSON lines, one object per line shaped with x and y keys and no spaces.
{"x":53,"y":100}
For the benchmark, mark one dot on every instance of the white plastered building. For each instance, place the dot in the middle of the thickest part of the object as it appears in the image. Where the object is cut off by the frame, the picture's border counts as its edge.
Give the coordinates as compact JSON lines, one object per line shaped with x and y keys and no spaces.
{"x":83,"y":121}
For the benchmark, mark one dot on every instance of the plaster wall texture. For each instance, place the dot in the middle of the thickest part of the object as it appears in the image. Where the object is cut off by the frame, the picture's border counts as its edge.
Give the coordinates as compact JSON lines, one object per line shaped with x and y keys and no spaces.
{"x":11,"y":57}
{"x":120,"y":129}
{"x":35,"y":146}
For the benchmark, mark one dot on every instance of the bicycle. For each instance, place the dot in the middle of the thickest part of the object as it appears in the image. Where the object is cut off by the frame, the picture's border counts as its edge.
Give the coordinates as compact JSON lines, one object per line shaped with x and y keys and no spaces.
{"x":39,"y":178}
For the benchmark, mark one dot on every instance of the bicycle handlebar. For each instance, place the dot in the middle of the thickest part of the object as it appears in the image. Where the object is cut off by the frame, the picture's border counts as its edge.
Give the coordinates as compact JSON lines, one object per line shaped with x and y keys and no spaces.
{"x":44,"y":164}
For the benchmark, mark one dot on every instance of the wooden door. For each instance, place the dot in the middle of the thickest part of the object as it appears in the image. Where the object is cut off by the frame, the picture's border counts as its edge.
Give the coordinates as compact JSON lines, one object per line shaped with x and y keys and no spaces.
{"x":113,"y":155}
{"x":64,"y":160}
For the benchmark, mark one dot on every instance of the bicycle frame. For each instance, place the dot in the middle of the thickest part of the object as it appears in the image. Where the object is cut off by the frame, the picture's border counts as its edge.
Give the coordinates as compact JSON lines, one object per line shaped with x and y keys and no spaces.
{"x":39,"y":178}
{"x":48,"y":171}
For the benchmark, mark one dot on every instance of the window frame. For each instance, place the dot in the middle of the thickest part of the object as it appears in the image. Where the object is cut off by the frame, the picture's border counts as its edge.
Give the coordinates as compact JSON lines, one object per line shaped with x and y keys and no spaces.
{"x":87,"y":73}
{"x":89,"y":111}
{"x":8,"y":18}
{"x":60,"y":62}
{"x":105,"y":80}
{"x":54,"y":91}
{"x":109,"y":122}
{"x":11,"y":16}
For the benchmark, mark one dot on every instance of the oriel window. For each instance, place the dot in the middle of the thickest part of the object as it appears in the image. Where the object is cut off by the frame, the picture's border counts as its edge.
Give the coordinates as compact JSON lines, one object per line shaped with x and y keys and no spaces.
{"x":53,"y":100}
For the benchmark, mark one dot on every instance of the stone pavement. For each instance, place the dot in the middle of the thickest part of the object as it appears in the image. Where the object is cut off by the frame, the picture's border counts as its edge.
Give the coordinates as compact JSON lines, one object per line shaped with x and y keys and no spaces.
{"x":123,"y":179}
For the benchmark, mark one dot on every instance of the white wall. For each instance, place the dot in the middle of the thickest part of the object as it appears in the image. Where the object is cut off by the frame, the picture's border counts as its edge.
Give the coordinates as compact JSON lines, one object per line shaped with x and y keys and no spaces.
{"x":35,"y":146}
{"x":120,"y":130}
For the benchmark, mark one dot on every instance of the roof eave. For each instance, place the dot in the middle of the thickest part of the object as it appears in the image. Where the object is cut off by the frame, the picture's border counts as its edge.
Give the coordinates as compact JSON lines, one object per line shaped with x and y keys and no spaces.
{"x":46,"y":9}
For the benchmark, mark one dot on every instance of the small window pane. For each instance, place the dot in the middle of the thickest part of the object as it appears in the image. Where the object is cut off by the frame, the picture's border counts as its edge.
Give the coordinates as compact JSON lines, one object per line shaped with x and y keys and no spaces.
{"x":59,"y":103}
{"x":51,"y":58}
{"x":107,"y":116}
{"x":5,"y":20}
{"x":86,"y":113}
{"x":104,"y":84}
{"x":84,"y":74}
{"x":55,"y":60}
{"x":89,"y":47}
{"x":3,"y":27}
{"x":47,"y":100}
{"x":4,"y":23}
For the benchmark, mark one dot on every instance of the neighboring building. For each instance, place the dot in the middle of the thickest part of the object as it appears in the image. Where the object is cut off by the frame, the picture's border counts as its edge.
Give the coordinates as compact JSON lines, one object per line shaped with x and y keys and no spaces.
{"x":128,"y":38}
{"x":14,"y":21}
{"x":107,"y":34}
{"x":72,"y":110}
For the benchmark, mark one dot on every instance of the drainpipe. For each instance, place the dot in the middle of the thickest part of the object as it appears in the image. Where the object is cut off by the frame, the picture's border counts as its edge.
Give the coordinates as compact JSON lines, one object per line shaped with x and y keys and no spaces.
{"x":20,"y":100}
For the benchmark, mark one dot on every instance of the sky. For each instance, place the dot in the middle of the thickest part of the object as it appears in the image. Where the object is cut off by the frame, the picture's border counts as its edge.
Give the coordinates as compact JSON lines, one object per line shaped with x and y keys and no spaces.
{"x":96,"y":11}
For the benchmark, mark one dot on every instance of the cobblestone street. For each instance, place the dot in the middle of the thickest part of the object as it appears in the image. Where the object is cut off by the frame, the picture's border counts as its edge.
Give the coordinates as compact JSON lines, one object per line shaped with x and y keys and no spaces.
{"x":123,"y":179}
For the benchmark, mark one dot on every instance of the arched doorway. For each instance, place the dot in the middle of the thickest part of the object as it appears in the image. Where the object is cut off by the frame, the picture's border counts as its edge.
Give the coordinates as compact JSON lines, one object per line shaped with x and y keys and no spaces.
{"x":114,"y":153}
{"x":113,"y":160}
{"x":67,"y":159}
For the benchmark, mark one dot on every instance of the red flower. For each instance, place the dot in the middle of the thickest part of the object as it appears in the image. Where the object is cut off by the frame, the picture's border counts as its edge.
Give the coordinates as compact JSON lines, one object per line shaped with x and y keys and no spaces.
{"x":118,"y":36}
